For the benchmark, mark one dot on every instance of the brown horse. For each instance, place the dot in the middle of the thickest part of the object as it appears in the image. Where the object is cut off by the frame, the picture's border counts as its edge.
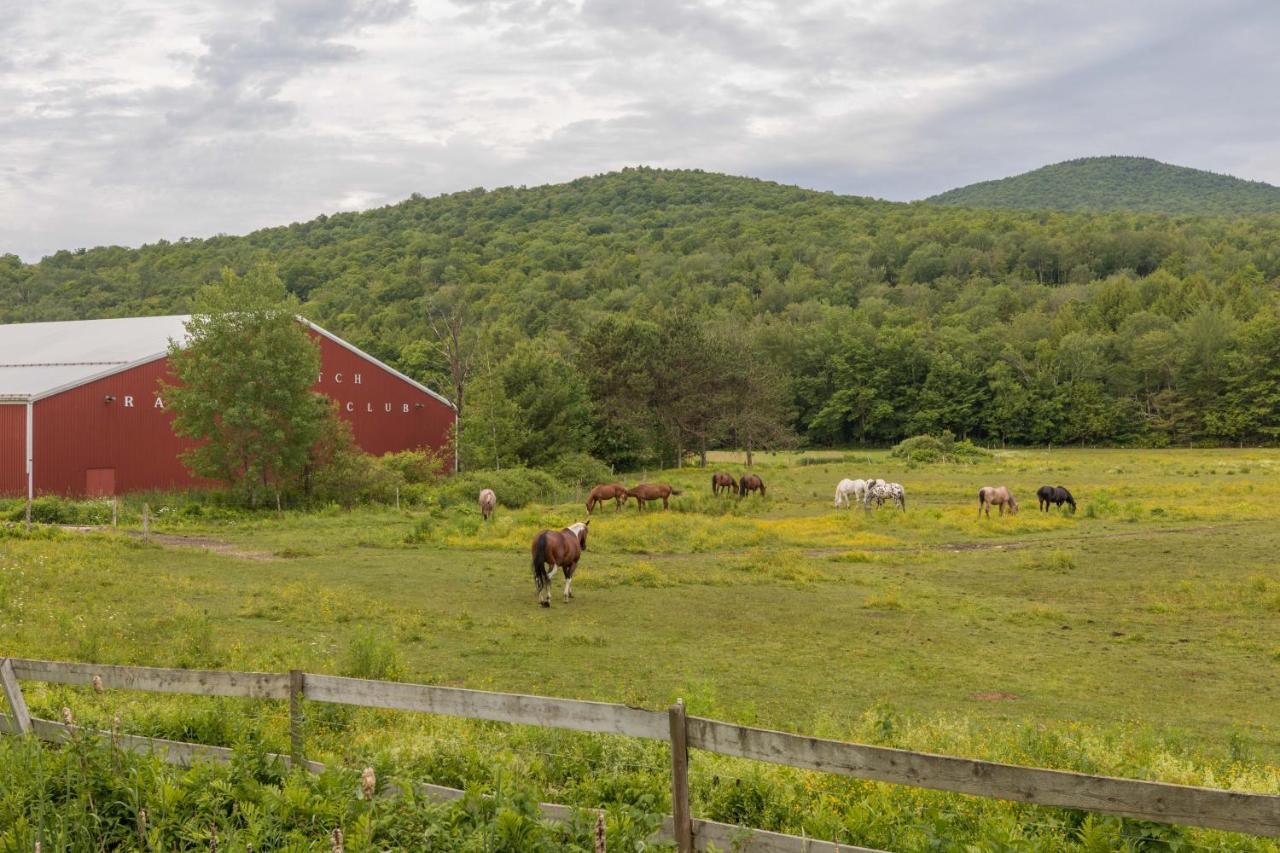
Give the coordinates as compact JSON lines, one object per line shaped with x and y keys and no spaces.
{"x":562,"y":549}
{"x":646,"y":492}
{"x":722,"y":482}
{"x":998,"y":496}
{"x":602,"y":493}
{"x":750,"y":483}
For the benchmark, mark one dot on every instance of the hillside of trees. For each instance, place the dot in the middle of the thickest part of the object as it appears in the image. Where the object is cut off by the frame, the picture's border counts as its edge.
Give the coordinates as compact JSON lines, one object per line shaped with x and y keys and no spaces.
{"x":1100,"y":184}
{"x":642,"y":313}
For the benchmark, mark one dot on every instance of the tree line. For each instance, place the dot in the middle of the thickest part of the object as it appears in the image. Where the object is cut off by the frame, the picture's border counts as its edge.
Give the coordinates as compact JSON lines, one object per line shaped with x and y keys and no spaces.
{"x":644,"y":314}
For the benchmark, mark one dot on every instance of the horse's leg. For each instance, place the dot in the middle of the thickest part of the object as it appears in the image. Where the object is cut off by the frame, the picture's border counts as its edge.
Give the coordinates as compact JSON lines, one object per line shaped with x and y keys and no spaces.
{"x":664,"y":501}
{"x":568,"y":580}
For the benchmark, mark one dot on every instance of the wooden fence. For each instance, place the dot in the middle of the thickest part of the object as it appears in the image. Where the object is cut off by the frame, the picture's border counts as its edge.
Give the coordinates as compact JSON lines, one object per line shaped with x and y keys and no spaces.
{"x":1236,"y":811}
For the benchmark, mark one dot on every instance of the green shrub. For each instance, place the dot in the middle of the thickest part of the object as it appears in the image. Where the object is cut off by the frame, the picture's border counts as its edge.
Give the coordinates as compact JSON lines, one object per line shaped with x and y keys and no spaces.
{"x":56,"y":510}
{"x":927,"y":449}
{"x":515,"y":487}
{"x":581,"y":468}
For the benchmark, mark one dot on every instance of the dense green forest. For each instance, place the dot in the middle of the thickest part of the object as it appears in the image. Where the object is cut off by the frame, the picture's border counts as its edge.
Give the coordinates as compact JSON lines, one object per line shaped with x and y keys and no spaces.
{"x":1100,"y":184}
{"x":636,"y":314}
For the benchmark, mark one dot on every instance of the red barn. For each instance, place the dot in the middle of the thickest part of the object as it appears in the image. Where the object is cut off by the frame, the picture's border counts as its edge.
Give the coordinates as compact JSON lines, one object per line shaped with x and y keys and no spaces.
{"x":81,"y":414}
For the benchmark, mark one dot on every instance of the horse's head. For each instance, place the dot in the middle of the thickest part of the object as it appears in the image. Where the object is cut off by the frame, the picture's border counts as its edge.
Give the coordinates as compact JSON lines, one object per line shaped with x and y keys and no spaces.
{"x":1013,"y":504}
{"x":582,"y":534}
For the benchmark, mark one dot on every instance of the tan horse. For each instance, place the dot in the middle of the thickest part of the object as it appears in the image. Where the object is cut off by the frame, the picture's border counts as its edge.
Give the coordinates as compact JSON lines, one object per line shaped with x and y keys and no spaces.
{"x":561,"y":549}
{"x":615,"y":491}
{"x":720,"y":481}
{"x":646,"y":492}
{"x":998,"y":496}
{"x":488,"y":500}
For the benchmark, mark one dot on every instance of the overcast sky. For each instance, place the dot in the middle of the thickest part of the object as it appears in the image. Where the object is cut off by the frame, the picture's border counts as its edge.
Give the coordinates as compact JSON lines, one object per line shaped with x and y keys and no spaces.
{"x":144,"y":119}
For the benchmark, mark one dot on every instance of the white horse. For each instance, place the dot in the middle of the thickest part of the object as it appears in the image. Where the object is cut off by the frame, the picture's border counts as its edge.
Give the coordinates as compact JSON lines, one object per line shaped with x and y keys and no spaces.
{"x":488,"y":500}
{"x":857,"y":488}
{"x":882,"y":491}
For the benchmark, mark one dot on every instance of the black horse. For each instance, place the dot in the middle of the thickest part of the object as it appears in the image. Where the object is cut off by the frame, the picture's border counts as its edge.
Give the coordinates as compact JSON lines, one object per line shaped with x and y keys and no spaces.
{"x":1056,"y":495}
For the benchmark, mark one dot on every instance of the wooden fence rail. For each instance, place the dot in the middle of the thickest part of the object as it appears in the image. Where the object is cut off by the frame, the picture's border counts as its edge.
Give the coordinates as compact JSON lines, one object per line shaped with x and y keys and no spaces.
{"x":1236,"y":811}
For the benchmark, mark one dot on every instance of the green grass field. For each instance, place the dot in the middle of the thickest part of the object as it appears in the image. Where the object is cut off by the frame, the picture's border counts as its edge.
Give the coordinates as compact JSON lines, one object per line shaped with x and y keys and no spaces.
{"x":1140,"y":636}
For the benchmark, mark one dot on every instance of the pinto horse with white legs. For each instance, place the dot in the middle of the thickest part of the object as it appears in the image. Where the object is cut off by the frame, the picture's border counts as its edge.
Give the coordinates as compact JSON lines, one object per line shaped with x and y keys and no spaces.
{"x":560,"y":549}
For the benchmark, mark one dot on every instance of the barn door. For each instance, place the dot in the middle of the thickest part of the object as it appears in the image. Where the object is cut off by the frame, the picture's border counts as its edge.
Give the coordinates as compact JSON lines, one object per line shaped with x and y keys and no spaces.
{"x":100,"y":482}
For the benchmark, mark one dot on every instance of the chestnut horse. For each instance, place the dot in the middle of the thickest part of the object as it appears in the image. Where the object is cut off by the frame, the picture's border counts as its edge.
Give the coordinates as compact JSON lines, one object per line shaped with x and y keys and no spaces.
{"x":722,"y":482}
{"x":999,"y":496}
{"x":602,"y":493}
{"x":562,"y":549}
{"x":488,"y":500}
{"x":750,"y":483}
{"x":646,"y":492}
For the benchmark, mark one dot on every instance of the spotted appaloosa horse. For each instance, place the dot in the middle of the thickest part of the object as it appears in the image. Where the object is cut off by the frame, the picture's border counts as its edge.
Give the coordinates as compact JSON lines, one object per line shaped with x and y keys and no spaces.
{"x":488,"y":500}
{"x":856,"y":488}
{"x":998,"y":496}
{"x":609,"y":491}
{"x":880,"y":491}
{"x":1056,"y":495}
{"x":561,"y":549}
{"x":720,"y":482}
{"x":750,"y":483}
{"x":646,"y":492}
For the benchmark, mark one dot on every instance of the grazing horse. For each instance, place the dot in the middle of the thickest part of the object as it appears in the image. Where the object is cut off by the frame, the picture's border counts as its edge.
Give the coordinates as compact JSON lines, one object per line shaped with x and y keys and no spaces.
{"x":488,"y":500}
{"x":999,"y":496}
{"x":721,"y":482}
{"x":602,"y":493}
{"x":562,"y":549}
{"x":857,"y":488}
{"x":646,"y":492}
{"x":880,"y":491}
{"x":750,"y":483}
{"x":1054,"y":495}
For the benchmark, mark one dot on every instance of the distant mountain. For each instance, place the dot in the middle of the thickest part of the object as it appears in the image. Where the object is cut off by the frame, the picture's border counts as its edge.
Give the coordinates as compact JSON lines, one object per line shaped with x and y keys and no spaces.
{"x":1120,"y":183}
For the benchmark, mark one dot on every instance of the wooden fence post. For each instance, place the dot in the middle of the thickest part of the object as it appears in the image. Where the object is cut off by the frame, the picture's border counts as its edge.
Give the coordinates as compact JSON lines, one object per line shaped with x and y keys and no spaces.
{"x":146,"y":522}
{"x":682,"y":820}
{"x":297,"y":686}
{"x":13,"y":692}
{"x":397,"y":498}
{"x":115,"y":512}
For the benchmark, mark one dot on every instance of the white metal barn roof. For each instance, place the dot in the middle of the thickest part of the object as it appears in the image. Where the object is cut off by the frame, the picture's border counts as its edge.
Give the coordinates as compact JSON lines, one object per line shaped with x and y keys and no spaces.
{"x":41,"y":359}
{"x":37,"y":359}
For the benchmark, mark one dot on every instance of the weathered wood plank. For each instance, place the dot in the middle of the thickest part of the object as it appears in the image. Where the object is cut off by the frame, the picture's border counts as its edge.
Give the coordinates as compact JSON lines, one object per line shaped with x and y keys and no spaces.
{"x":741,"y":839}
{"x":172,"y":751}
{"x":479,"y":704}
{"x":200,"y":682}
{"x":1236,"y":811}
{"x":13,"y":693}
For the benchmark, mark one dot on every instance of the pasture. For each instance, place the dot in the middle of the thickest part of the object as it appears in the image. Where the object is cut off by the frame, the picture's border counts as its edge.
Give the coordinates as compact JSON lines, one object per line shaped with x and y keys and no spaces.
{"x":1139,"y":636}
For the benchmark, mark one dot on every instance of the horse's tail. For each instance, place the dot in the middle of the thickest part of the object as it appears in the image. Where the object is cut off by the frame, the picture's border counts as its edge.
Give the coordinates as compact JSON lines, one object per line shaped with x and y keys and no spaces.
{"x":540,"y":562}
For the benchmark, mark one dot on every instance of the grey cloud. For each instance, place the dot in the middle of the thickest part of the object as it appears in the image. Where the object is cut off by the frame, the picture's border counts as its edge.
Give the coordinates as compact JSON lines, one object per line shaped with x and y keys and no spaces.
{"x":185,"y":119}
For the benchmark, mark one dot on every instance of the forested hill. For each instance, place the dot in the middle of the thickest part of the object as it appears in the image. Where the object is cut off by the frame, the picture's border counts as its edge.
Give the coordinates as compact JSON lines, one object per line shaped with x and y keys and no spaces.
{"x":662,"y":296}
{"x":1120,"y":183}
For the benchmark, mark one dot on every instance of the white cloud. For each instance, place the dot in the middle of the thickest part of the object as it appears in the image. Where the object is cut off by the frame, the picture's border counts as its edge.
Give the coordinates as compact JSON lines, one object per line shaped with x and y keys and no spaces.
{"x":169,"y":119}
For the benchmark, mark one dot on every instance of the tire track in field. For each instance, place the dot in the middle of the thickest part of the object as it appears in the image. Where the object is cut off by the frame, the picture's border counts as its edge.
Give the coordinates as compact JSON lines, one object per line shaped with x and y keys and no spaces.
{"x":1018,"y":544}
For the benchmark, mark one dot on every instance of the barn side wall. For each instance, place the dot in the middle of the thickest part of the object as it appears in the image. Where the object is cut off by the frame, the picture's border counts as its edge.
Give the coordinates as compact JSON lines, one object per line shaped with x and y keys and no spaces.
{"x":13,"y":449}
{"x":78,"y":430}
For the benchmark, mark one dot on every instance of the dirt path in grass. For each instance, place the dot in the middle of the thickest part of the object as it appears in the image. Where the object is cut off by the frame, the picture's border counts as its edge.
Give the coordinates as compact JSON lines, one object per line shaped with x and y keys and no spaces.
{"x":173,"y":540}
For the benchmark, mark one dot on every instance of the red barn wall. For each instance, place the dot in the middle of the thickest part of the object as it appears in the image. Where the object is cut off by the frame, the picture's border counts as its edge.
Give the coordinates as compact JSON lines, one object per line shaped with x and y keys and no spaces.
{"x":13,"y":449}
{"x":77,"y":430}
